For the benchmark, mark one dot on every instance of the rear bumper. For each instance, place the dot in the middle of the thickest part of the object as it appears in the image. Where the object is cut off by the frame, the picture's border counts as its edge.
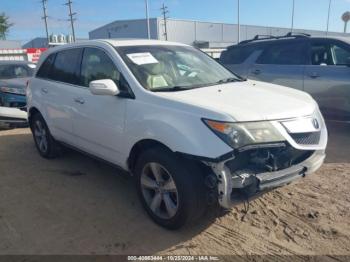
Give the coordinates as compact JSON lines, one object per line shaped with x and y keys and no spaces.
{"x":263,"y":182}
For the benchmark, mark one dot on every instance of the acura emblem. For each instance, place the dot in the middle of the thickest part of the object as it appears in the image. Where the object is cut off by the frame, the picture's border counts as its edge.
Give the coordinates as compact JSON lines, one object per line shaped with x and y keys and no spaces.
{"x":315,"y":123}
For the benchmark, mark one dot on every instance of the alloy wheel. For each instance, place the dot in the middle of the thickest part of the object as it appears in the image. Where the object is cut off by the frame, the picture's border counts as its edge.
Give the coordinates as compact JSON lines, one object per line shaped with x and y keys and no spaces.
{"x":40,"y":136}
{"x":159,"y":190}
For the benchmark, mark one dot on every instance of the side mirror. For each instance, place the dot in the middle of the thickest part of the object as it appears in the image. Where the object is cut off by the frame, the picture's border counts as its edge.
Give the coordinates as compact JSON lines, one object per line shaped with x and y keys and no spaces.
{"x":104,"y":87}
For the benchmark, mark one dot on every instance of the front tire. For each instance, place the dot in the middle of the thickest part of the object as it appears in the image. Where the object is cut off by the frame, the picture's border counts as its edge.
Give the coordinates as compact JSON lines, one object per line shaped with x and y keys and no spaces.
{"x":171,"y":189}
{"x":44,"y":142}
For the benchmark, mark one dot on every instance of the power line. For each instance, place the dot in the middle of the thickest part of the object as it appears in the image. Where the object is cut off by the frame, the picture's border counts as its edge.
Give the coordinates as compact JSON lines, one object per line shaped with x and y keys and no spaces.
{"x":71,"y":17}
{"x":43,"y":2}
{"x":164,"y":12}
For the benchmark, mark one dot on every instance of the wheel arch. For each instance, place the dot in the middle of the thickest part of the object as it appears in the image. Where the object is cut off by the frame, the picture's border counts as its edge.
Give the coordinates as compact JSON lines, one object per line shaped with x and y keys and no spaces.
{"x":140,"y":147}
{"x":31,"y":112}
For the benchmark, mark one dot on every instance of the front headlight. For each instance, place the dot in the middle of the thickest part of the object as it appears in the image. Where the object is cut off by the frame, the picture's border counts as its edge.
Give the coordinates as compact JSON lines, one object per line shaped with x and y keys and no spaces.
{"x":238,"y":135}
{"x":13,"y":90}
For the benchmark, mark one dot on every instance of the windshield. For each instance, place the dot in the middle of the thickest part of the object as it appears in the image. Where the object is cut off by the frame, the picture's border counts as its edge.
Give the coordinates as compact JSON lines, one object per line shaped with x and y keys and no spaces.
{"x":173,"y":68}
{"x":15,"y":71}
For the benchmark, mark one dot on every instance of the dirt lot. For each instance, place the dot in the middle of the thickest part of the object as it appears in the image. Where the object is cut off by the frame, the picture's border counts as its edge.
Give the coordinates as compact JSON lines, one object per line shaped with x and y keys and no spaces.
{"x":76,"y":205}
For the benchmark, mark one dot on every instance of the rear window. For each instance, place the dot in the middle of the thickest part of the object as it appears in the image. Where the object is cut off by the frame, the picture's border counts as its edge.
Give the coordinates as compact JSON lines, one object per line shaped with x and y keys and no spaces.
{"x":66,"y":65}
{"x":15,"y":71}
{"x":236,"y":55}
{"x":284,"y":53}
{"x":45,"y":68}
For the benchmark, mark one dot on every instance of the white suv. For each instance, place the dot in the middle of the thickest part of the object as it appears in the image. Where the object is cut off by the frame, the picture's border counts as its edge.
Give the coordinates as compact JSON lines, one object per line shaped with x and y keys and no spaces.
{"x":187,"y":129}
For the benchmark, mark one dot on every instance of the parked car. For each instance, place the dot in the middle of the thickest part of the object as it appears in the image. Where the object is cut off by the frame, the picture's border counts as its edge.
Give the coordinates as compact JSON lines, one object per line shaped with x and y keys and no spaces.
{"x":316,"y":65}
{"x":12,"y":117}
{"x":186,"y":128}
{"x":14,"y":76}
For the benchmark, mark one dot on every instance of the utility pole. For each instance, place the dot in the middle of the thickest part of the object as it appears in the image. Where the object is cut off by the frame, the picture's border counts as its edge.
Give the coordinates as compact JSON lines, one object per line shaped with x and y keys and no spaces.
{"x":293,"y":17}
{"x":71,"y":17}
{"x":329,"y":12}
{"x":164,"y":12}
{"x":238,"y":23}
{"x":45,"y":20}
{"x":147,"y":17}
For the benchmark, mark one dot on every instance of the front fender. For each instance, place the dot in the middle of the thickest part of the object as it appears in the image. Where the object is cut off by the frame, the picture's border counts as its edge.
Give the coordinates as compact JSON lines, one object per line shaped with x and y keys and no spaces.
{"x":180,"y":131}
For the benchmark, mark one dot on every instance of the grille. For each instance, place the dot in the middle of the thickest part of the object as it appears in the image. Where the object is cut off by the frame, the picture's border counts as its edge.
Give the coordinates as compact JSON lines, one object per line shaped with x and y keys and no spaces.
{"x":312,"y":138}
{"x":17,"y":104}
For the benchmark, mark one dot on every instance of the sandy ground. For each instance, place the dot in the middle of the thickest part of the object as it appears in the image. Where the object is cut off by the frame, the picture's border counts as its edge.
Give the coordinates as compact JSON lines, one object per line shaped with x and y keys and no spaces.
{"x":76,"y":205}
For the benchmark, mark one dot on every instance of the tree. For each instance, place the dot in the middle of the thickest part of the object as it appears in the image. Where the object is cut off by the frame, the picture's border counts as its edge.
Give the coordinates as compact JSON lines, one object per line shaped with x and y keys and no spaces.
{"x":4,"y":25}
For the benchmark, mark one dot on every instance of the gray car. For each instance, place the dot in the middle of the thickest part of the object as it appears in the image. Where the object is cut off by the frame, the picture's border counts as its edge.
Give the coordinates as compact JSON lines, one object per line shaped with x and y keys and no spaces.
{"x":317,"y":65}
{"x":14,"y":76}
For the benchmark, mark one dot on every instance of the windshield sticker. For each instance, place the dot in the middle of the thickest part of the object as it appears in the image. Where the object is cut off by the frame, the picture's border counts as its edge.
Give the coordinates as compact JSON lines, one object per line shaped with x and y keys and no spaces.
{"x":142,"y":58}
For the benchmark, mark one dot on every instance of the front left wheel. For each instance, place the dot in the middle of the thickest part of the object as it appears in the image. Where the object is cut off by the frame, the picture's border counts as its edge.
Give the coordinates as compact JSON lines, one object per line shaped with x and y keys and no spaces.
{"x":171,"y":189}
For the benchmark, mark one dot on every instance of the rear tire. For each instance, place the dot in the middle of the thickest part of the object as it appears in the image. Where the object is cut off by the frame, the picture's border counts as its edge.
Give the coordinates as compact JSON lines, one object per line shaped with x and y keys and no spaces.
{"x":170,"y":188}
{"x":44,"y":142}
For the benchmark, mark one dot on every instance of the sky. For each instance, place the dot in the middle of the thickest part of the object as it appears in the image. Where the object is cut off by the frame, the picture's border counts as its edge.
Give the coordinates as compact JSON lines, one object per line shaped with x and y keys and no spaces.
{"x":309,"y":14}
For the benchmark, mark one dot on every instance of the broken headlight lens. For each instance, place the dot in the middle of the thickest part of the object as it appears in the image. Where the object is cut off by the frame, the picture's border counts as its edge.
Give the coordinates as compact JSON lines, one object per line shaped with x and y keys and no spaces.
{"x":238,"y":135}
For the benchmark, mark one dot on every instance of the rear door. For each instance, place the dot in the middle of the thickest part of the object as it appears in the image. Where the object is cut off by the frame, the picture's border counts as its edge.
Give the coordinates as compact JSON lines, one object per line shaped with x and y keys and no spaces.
{"x":281,"y":62}
{"x":57,"y":96}
{"x":98,"y":120}
{"x":327,"y":78}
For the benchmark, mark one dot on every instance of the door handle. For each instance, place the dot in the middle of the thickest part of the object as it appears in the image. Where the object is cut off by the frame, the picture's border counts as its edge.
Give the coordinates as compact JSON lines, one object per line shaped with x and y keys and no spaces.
{"x":79,"y":100}
{"x":44,"y":90}
{"x":256,"y":72}
{"x":314,"y":75}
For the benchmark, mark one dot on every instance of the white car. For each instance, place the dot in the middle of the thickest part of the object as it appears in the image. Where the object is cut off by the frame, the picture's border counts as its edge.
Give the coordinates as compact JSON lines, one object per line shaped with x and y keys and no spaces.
{"x":187,"y":129}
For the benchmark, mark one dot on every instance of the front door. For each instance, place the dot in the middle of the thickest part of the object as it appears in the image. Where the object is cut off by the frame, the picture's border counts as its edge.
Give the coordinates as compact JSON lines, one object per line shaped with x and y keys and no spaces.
{"x":281,"y":63}
{"x":98,"y":121}
{"x":327,"y":78}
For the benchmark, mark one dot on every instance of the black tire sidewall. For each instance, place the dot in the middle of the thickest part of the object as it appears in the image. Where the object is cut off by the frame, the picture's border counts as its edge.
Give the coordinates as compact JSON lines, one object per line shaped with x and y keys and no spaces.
{"x":50,"y":141}
{"x":187,"y":180}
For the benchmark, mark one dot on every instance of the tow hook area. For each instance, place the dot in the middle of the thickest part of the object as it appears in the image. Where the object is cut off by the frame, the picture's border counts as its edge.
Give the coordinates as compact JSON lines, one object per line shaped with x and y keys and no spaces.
{"x":248,"y":176}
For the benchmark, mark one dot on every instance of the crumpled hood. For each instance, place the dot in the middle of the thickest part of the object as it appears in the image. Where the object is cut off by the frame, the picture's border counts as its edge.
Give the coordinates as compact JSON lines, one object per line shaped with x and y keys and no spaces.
{"x":14,"y":82}
{"x":249,"y":100}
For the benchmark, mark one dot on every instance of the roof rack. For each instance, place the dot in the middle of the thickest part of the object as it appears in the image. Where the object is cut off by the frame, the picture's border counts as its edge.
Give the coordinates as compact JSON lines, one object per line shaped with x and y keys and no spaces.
{"x":269,"y":37}
{"x":291,"y":34}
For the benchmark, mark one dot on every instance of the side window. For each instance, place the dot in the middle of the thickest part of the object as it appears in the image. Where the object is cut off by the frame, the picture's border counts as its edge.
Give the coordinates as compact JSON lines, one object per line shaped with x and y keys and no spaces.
{"x":97,"y":65}
{"x":284,"y":53}
{"x":45,"y":68}
{"x":66,"y":65}
{"x":340,"y":54}
{"x":321,"y":54}
{"x":236,"y":55}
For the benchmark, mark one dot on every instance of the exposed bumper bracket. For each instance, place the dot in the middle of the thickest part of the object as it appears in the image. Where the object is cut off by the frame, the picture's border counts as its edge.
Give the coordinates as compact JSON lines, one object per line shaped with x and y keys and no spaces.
{"x":266,"y":181}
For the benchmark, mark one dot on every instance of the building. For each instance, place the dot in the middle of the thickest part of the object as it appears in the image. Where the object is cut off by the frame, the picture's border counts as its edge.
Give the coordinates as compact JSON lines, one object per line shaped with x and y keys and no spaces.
{"x":196,"y":33}
{"x":37,"y":42}
{"x":41,"y":42}
{"x":11,"y":50}
{"x":10,"y":44}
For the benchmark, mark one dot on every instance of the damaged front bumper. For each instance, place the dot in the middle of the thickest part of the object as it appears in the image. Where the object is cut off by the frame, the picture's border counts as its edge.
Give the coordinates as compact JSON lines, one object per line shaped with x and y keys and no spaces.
{"x":235,"y":187}
{"x":13,"y":116}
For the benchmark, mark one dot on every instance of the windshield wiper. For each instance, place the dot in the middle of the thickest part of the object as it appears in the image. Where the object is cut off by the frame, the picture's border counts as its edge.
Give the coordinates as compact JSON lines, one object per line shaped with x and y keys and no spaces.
{"x":228,"y":80}
{"x":171,"y":89}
